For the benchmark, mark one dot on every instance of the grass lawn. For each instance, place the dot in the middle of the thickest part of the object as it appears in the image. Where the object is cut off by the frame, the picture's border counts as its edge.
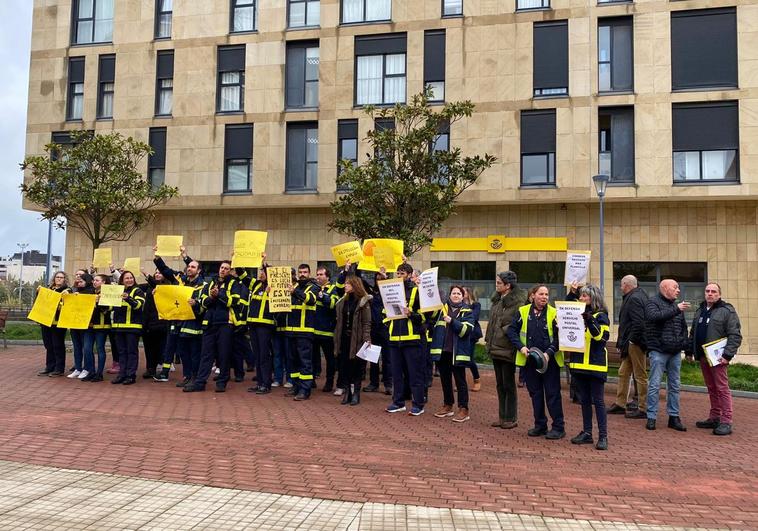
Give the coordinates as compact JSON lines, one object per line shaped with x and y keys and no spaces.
{"x":23,"y":330}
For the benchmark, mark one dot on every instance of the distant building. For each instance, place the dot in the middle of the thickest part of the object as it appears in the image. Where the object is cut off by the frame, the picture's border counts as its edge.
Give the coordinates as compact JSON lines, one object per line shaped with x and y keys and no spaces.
{"x":35,"y":263}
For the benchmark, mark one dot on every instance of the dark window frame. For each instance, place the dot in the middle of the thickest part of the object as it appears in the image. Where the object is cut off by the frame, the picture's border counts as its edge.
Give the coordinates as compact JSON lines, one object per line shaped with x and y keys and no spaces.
{"x":220,"y":85}
{"x":158,"y":13}
{"x":153,"y":161}
{"x":230,"y":160}
{"x":307,"y":24}
{"x":550,"y":156}
{"x":428,"y":68}
{"x":385,"y":76}
{"x":550,"y":92}
{"x":450,"y":15}
{"x":75,"y":21}
{"x":72,"y":61}
{"x":544,"y":7}
{"x":364,"y":21}
{"x":305,"y":45}
{"x":613,"y":22}
{"x":610,"y":111}
{"x":305,"y":189}
{"x":102,"y":92}
{"x":159,"y":78}
{"x":233,"y":6}
{"x":342,"y":126}
{"x":486,"y":282}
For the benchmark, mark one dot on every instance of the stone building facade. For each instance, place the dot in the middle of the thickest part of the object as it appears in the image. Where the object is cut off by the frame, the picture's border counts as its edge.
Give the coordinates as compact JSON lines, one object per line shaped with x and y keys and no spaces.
{"x":680,"y":207}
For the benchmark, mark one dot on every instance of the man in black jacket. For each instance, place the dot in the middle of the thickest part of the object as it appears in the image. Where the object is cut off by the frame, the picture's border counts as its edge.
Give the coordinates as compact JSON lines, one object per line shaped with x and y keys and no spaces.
{"x":631,"y":346}
{"x":665,"y":337}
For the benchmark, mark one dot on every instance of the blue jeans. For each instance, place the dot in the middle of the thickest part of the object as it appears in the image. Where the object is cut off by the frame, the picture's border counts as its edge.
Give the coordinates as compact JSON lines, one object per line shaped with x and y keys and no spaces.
{"x":92,"y":339}
{"x":77,"y":338}
{"x":672,"y":364}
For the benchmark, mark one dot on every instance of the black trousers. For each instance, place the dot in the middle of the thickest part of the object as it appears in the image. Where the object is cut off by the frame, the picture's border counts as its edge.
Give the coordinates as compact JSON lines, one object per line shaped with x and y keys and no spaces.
{"x":54,"y":339}
{"x":386,"y":365}
{"x":114,"y":349}
{"x":507,"y":397}
{"x":410,"y":359}
{"x":127,"y":345}
{"x":190,"y":349}
{"x":591,"y":392}
{"x":217,"y":344}
{"x":352,"y":370}
{"x":241,"y":351}
{"x":324,"y":344}
{"x":154,"y":341}
{"x":300,"y":355}
{"x":545,"y":389}
{"x":448,"y":371}
{"x":260,"y":338}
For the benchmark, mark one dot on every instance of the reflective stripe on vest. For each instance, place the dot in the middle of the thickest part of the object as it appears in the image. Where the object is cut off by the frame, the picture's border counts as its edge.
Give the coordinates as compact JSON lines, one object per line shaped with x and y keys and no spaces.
{"x":411,"y":335}
{"x":585,"y":365}
{"x":552,"y":313}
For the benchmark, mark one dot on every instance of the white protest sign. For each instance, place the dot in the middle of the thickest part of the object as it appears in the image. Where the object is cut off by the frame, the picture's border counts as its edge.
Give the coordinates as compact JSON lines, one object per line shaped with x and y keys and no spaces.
{"x":369,"y":352}
{"x":428,"y":291}
{"x":570,"y":325}
{"x":393,"y":297}
{"x":577,"y":267}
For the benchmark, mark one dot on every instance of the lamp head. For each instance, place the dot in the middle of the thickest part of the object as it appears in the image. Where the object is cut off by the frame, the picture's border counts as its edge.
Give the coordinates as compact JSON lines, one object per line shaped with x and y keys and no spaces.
{"x":601,"y":182}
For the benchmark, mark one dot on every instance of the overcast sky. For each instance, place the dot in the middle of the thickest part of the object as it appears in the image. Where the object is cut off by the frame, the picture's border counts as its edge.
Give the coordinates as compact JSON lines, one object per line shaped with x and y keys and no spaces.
{"x":17,"y":225}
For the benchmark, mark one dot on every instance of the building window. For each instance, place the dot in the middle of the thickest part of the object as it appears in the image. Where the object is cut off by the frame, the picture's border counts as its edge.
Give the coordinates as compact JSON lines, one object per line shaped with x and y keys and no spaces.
{"x":75,"y":104}
{"x":156,"y":162}
{"x":538,"y":147}
{"x":380,"y":69}
{"x":354,"y":11}
{"x":231,"y":78}
{"x":243,"y":15}
{"x":434,"y":63}
{"x":551,"y":58}
{"x":347,"y":143}
{"x":106,"y":81}
{"x":549,"y":273}
{"x":164,"y":83}
{"x":615,"y":57}
{"x":479,"y":276}
{"x":302,"y":157}
{"x":691,"y":276}
{"x":705,"y":138}
{"x":304,"y":13}
{"x":616,"y":143}
{"x":704,"y":49}
{"x":532,"y":4}
{"x":302,"y":75}
{"x":238,"y":157}
{"x":163,"y":16}
{"x":452,"y":8}
{"x":93,"y":21}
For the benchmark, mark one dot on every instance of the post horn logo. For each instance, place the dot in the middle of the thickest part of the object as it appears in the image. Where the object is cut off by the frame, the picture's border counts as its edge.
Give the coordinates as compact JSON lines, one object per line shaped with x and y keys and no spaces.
{"x":496,"y":244}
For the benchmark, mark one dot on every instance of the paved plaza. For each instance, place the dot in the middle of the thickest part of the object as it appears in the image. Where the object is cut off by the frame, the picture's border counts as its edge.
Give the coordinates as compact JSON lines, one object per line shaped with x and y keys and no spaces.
{"x":83,"y":454}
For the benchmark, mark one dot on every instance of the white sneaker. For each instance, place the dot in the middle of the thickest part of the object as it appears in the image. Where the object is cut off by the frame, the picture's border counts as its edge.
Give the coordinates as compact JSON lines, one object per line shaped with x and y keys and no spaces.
{"x":217,"y":371}
{"x":172,"y":369}
{"x":83,"y":374}
{"x":287,"y":385}
{"x":74,"y":374}
{"x":275,"y":384}
{"x":339,"y":391}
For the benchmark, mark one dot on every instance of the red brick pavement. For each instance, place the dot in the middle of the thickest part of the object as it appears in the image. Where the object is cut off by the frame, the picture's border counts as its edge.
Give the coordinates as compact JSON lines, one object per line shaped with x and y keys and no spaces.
{"x":322,"y":449}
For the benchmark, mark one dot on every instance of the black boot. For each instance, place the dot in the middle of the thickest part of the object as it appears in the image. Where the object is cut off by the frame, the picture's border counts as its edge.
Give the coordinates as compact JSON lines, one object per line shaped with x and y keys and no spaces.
{"x":347,"y":396}
{"x":356,"y":396}
{"x":675,"y":423}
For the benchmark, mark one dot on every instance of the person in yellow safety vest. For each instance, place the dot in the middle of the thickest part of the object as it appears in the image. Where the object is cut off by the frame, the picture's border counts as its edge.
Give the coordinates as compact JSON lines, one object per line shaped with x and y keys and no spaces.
{"x":126,"y":321}
{"x":328,"y":295}
{"x":590,"y":368}
{"x":261,"y":323}
{"x":405,"y":346}
{"x":299,"y":331}
{"x":535,"y":326}
{"x":452,"y":350}
{"x":241,"y":349}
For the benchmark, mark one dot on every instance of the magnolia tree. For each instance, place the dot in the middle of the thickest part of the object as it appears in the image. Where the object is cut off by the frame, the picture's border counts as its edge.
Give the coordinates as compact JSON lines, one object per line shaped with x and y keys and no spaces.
{"x":408,"y":185}
{"x":93,"y":185}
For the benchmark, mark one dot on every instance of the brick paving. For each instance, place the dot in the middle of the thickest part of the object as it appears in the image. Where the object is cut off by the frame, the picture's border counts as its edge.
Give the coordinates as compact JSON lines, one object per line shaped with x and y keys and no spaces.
{"x":323,"y":450}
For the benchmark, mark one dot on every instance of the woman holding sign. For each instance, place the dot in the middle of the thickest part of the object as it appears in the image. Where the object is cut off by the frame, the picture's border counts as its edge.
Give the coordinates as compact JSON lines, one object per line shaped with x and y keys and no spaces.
{"x":54,"y":338}
{"x":353,"y":329}
{"x":96,"y":335}
{"x":452,"y":350}
{"x":590,"y":368}
{"x":127,"y":324}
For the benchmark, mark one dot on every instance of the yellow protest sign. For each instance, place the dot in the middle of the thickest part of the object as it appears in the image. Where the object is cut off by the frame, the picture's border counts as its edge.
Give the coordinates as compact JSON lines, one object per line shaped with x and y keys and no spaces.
{"x":280,"y":282}
{"x":369,"y":263}
{"x":169,"y":245}
{"x":45,"y":306}
{"x":110,"y":295}
{"x":103,"y":257}
{"x":76,"y":311}
{"x":172,"y":302}
{"x":133,"y":265}
{"x":347,"y":251}
{"x":249,"y":245}
{"x":384,"y":257}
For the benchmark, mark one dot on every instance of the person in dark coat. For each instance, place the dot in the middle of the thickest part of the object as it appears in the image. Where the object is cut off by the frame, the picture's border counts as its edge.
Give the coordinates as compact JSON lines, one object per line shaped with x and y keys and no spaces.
{"x":352,"y":330}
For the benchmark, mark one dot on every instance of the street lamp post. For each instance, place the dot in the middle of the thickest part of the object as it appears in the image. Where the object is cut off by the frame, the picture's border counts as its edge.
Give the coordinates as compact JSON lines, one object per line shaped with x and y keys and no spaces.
{"x":23,"y":247}
{"x":601,"y":182}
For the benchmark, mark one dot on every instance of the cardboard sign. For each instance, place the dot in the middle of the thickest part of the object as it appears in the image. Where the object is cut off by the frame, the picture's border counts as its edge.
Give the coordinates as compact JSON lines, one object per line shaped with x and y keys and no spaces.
{"x":249,"y":246}
{"x":369,"y":263}
{"x":133,"y":264}
{"x":577,"y":267}
{"x":103,"y":258}
{"x":110,"y":295}
{"x":347,"y":251}
{"x":428,"y":291}
{"x":571,"y":329}
{"x":169,"y":245}
{"x":45,"y":305}
{"x":393,"y":298}
{"x":172,"y":302}
{"x":280,"y":282}
{"x":76,"y":312}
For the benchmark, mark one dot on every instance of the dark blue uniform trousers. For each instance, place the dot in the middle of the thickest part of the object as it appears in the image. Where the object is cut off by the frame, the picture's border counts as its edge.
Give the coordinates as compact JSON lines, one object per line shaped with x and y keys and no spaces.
{"x":260,"y":338}
{"x":410,"y":358}
{"x":217,"y":344}
{"x":300,"y":354}
{"x":545,"y":388}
